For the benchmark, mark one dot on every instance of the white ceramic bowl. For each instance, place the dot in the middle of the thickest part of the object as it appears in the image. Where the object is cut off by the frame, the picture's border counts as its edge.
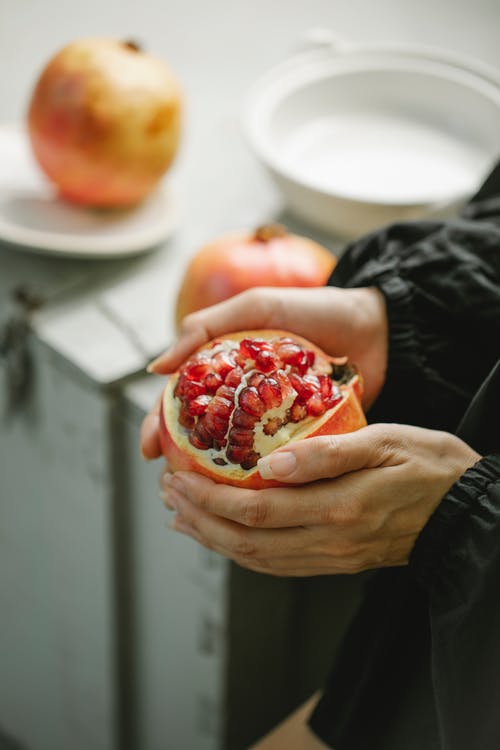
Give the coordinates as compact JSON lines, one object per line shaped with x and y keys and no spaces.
{"x":358,"y":137}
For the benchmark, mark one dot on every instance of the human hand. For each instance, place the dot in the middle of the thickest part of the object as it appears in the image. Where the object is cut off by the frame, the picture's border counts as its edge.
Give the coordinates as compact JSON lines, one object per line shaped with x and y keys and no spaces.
{"x":350,"y":322}
{"x":367,"y":496}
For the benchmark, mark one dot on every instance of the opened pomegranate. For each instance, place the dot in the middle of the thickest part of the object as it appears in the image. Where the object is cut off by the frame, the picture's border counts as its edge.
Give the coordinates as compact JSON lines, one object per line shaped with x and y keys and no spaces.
{"x":245,"y":394}
{"x":104,"y":122}
{"x":270,"y":256}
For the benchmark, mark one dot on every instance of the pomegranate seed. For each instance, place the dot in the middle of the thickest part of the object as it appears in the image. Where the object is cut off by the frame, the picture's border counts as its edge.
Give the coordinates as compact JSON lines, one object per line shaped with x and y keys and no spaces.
{"x":192,"y":389}
{"x":251,"y":402}
{"x":310,"y":357}
{"x":270,"y":393}
{"x":212,"y":381}
{"x":267,"y":361}
{"x":240,"y":436}
{"x":233,"y":378}
{"x":219,"y":461}
{"x":219,"y":444}
{"x":221,"y":407}
{"x":290,"y":354}
{"x":237,"y":453}
{"x":297,"y":412}
{"x":198,"y":370}
{"x":251,"y":347}
{"x":199,"y":437}
{"x":223,"y":363}
{"x":250,"y":461}
{"x":334,"y":399}
{"x":243,"y":419}
{"x":255,"y":378}
{"x":325,"y":384}
{"x":185,"y":419}
{"x":272,"y":426}
{"x":315,"y":406}
{"x":180,"y":385}
{"x":198,"y":405}
{"x":304,"y":388}
{"x":226,"y":391}
{"x":216,"y":426}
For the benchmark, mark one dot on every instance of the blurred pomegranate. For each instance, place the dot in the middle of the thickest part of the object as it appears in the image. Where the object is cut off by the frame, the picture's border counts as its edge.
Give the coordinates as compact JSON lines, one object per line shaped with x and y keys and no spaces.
{"x":270,"y":256}
{"x":245,"y":394}
{"x":104,"y":122}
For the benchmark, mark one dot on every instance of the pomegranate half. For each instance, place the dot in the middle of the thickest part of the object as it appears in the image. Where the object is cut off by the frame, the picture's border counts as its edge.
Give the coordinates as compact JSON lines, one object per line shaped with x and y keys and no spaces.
{"x":245,"y":394}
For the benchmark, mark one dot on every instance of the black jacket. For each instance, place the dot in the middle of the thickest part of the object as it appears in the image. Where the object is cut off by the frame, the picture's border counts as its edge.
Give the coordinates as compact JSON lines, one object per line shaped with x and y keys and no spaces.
{"x":419,"y":668}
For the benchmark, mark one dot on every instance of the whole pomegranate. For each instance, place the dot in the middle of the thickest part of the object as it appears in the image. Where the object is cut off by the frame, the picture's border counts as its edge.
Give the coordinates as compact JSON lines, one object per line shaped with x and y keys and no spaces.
{"x":104,"y":122}
{"x":270,"y":256}
{"x":245,"y":394}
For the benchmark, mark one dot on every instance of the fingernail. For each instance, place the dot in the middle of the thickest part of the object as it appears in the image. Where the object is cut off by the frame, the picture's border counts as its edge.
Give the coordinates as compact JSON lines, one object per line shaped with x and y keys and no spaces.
{"x":277,"y":465}
{"x":167,"y":500}
{"x":151,"y":366}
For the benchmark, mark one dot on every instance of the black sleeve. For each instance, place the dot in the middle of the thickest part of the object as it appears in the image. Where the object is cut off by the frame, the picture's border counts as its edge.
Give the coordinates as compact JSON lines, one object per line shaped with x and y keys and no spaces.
{"x":441,"y":283}
{"x":457,"y":559}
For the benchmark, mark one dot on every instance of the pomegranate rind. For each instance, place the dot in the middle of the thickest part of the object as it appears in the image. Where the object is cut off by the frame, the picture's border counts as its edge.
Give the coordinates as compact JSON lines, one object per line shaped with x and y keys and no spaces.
{"x":345,"y":416}
{"x":236,"y":262}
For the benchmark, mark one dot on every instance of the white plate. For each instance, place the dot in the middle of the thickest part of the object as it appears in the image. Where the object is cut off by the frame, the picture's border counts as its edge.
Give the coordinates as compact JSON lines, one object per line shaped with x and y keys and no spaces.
{"x":33,"y":217}
{"x":357,"y":137}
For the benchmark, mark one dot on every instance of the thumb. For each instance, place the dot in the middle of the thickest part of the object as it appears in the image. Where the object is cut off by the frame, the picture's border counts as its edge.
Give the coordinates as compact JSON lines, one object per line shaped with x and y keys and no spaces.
{"x":326,"y":457}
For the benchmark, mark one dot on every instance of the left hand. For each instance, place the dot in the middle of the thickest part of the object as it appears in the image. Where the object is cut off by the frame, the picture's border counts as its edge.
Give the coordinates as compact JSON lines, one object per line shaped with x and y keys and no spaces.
{"x":366,"y":497}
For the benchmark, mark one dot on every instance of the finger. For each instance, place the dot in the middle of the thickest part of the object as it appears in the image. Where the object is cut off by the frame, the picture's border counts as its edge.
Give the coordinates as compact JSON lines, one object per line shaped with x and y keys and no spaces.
{"x":320,"y":503}
{"x":326,"y":456}
{"x":150,"y":433}
{"x":247,"y":310}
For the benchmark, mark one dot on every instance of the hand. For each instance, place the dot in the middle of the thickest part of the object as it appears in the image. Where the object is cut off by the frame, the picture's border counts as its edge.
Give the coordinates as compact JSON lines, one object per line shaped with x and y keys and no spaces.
{"x":350,"y":322}
{"x":367,"y":496}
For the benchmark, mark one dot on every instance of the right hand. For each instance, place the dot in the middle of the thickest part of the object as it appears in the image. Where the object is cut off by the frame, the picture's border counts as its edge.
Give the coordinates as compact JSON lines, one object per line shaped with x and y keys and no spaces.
{"x":350,"y":322}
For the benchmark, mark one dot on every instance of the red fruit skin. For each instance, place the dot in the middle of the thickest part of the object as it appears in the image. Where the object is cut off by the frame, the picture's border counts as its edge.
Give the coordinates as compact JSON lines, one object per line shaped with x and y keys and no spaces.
{"x":104,"y":122}
{"x":347,"y":416}
{"x":231,"y":264}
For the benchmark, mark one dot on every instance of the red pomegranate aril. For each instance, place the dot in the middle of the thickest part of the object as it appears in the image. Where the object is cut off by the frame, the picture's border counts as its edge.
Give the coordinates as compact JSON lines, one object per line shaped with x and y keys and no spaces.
{"x":249,"y":348}
{"x":197,"y":370}
{"x":289,"y":353}
{"x":241,"y":436}
{"x":200,"y":437}
{"x":272,"y":426}
{"x":325,"y":384}
{"x":267,"y":361}
{"x":221,"y":407}
{"x":255,"y":378}
{"x":216,"y":426}
{"x":298,"y":412}
{"x":185,"y":418}
{"x":226,"y":391}
{"x":192,"y":389}
{"x":233,"y":378}
{"x":311,"y":357}
{"x":212,"y":381}
{"x":315,"y":406}
{"x":244,"y":419}
{"x":251,"y":402}
{"x":180,"y":385}
{"x":250,"y":460}
{"x":270,"y":393}
{"x":334,"y":399}
{"x":198,"y":405}
{"x":304,"y":388}
{"x":223,"y":363}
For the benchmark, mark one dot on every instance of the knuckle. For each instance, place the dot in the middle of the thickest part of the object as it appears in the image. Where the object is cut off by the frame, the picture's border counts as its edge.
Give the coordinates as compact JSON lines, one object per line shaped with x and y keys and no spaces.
{"x":243,"y":548}
{"x":254,"y":511}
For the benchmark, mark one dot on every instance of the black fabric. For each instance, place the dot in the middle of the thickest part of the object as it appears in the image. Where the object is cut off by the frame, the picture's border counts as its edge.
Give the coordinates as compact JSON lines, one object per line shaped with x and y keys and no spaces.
{"x":420,"y":665}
